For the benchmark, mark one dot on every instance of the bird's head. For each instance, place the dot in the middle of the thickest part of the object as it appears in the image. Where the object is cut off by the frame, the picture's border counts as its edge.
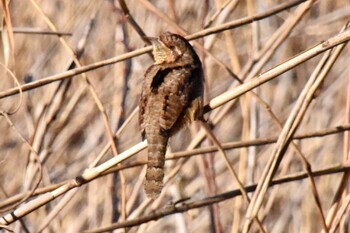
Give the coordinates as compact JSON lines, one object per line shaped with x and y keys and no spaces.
{"x":169,"y":48}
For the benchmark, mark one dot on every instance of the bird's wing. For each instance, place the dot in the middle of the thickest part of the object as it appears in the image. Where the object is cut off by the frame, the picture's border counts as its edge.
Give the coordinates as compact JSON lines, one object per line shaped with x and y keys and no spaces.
{"x":145,"y":94}
{"x":171,"y":91}
{"x":176,"y":96}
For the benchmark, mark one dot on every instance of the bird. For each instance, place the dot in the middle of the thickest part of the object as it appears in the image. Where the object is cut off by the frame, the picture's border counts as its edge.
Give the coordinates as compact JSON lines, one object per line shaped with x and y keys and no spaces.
{"x":171,"y":98}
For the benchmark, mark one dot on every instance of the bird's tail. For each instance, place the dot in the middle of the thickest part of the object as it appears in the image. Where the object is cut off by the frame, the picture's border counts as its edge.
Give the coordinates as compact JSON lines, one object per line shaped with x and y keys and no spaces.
{"x":157,"y":144}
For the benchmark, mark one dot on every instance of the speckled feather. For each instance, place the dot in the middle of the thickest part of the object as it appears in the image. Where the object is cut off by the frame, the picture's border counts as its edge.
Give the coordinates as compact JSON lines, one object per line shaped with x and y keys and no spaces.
{"x":171,"y":97}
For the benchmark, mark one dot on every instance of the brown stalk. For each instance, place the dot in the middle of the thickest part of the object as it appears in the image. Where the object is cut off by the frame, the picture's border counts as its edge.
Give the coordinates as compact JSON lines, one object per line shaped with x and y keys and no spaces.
{"x":79,"y":70}
{"x":185,"y":206}
{"x":289,"y":129}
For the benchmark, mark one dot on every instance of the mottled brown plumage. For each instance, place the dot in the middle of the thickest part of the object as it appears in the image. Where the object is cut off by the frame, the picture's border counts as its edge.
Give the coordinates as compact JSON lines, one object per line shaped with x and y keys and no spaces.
{"x":171,"y":97}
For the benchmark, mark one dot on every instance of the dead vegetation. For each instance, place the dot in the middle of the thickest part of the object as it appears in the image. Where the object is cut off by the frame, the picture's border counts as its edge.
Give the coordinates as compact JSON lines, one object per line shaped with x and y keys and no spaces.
{"x":278,"y":101}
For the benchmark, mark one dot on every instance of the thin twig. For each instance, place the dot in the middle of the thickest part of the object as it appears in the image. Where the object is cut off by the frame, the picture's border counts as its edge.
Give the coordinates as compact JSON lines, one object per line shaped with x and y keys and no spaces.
{"x":289,"y":129}
{"x":38,"y":31}
{"x":183,"y":207}
{"x":79,"y":70}
{"x":183,"y":154}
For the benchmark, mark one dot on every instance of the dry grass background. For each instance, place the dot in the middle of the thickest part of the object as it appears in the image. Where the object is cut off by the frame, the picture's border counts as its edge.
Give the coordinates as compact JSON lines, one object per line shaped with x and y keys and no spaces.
{"x":67,"y":124}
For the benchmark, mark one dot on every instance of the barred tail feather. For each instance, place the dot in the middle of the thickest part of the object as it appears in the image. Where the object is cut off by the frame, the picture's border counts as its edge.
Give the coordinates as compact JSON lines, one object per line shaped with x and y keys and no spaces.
{"x":155,"y":166}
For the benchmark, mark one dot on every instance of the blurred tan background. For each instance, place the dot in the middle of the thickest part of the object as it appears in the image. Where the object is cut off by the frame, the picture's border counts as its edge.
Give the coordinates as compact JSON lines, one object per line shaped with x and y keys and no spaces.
{"x":64,"y":124}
